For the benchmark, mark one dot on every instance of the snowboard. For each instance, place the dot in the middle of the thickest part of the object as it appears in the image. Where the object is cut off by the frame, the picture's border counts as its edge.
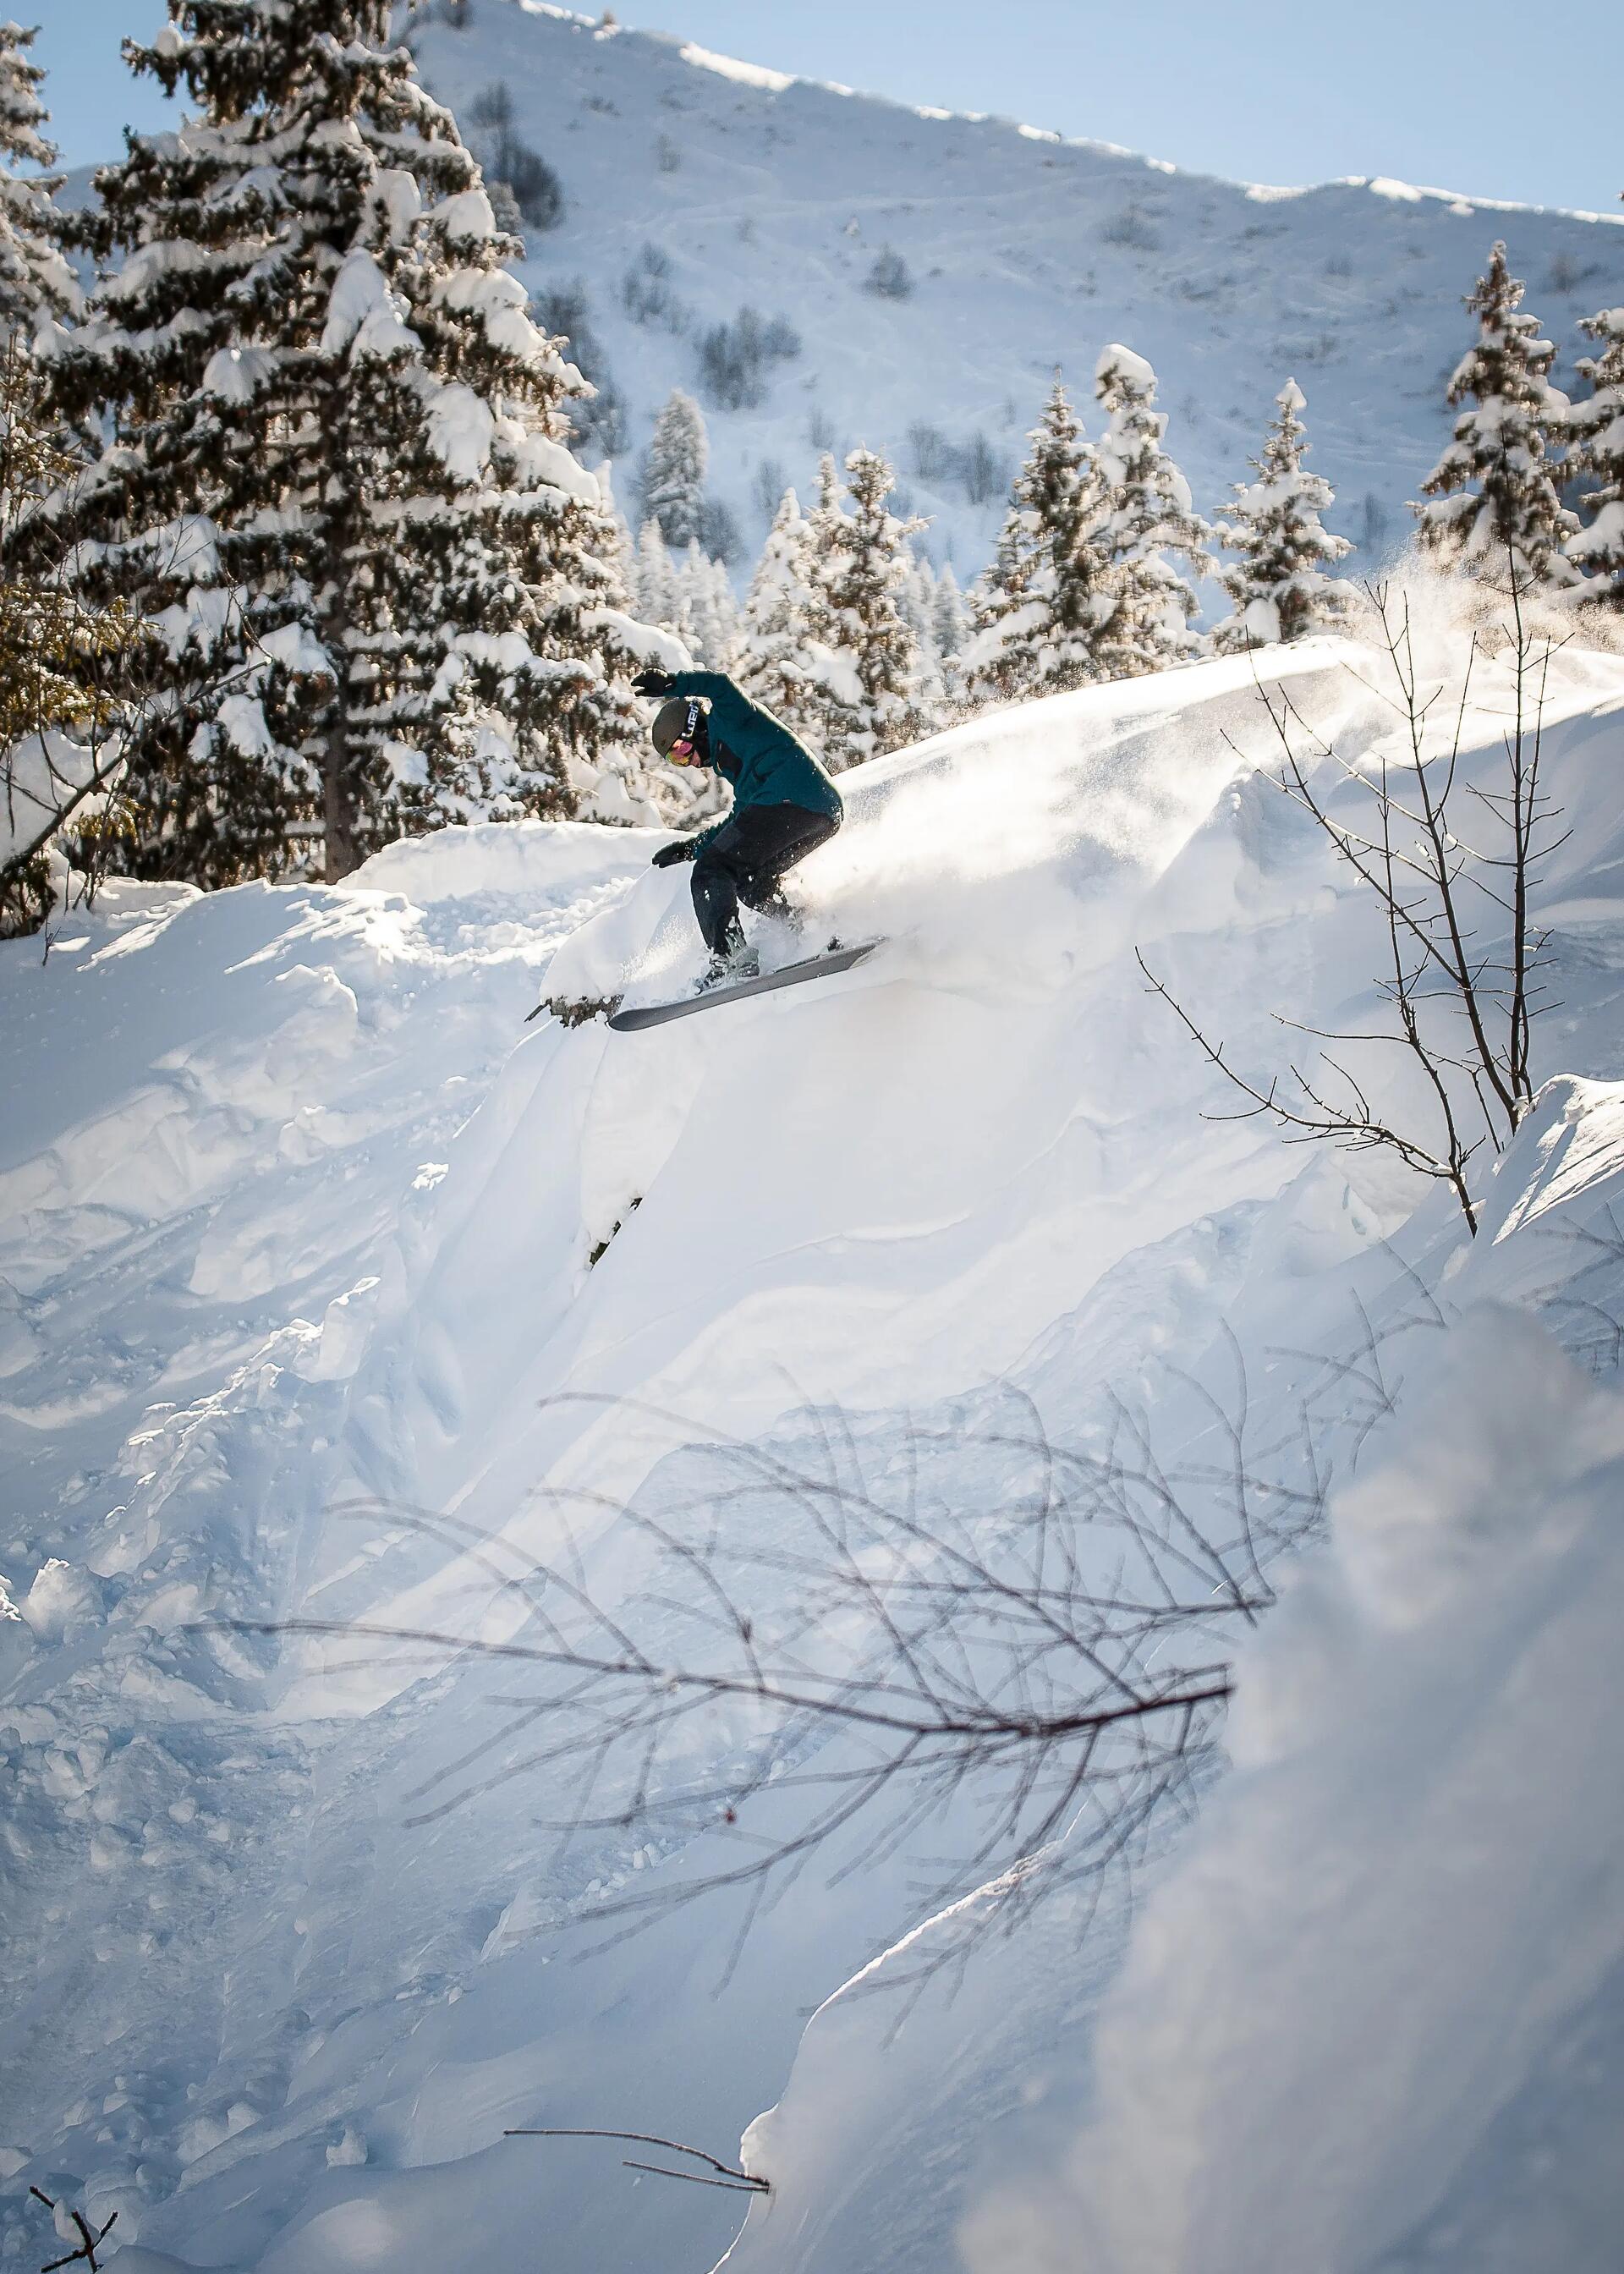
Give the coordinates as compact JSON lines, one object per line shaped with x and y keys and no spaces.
{"x":789,"y":975}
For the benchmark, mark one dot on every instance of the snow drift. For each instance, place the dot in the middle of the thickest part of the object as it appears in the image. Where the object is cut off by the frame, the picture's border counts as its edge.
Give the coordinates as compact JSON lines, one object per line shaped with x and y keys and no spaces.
{"x":331,"y":1289}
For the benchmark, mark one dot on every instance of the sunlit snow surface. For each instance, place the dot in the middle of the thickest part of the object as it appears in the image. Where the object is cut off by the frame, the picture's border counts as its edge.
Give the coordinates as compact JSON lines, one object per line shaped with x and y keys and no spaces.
{"x":1026,"y":251}
{"x":298,"y":1216}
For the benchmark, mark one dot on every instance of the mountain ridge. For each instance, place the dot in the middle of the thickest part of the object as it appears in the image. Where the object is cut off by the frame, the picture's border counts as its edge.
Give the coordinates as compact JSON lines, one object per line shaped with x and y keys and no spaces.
{"x":768,"y":77}
{"x":695,"y":185}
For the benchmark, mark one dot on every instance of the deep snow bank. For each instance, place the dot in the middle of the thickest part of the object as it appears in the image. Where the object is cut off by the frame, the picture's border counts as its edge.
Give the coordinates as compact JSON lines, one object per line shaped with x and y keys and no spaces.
{"x":324,"y":1272}
{"x":1374,"y":2014}
{"x":1371,"y":2015}
{"x":885,"y":1184}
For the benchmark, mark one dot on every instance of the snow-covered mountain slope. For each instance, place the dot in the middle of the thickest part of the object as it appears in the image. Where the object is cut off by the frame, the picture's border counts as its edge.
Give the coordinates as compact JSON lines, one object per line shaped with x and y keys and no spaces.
{"x":1026,"y":251}
{"x":330,"y":1290}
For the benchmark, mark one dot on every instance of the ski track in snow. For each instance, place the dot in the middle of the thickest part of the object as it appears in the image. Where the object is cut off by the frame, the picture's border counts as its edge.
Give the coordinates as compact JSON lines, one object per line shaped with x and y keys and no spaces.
{"x":298,"y":1220}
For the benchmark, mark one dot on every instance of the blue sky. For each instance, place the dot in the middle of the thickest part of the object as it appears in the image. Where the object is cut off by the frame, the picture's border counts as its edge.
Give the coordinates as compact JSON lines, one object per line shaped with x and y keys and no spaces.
{"x":1453,"y":93}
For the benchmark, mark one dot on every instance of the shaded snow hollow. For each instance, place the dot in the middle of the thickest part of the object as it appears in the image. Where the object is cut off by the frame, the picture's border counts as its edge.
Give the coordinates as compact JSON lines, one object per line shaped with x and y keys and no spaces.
{"x":300,"y":1218}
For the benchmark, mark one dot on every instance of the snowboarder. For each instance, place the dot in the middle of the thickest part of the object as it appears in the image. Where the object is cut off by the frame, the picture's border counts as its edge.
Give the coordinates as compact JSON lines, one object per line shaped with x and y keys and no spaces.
{"x":784,"y":805}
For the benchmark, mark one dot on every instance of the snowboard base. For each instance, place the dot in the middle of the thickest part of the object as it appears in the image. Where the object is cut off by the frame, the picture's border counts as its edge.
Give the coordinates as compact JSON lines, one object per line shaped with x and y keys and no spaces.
{"x":629,"y":1021}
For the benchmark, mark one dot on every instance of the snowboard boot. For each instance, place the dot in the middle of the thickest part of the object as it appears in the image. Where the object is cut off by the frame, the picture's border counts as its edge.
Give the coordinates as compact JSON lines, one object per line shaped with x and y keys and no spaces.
{"x":725,"y":970}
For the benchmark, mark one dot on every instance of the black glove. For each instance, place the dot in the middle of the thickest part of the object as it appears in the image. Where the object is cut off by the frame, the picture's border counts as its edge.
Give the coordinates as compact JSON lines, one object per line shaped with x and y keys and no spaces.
{"x":668,"y":855}
{"x":654,"y":683}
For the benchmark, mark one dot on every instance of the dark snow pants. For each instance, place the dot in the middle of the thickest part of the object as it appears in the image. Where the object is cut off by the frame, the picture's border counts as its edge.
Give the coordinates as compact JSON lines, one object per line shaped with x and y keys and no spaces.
{"x":746,"y":860}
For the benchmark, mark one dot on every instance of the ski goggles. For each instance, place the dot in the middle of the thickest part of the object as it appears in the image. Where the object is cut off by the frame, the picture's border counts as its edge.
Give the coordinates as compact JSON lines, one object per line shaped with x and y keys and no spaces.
{"x":682,"y":749}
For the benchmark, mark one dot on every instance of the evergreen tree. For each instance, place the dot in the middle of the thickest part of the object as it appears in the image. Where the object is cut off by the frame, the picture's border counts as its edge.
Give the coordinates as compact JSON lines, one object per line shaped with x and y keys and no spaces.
{"x":34,"y":274}
{"x":657,"y":594}
{"x":712,"y":616}
{"x":1039,"y":608}
{"x":1510,"y":527}
{"x":1595,"y":550}
{"x":674,"y":472}
{"x":689,"y":594}
{"x":339,"y":479}
{"x":1147,"y":607}
{"x":1278,"y":586}
{"x":866,"y":685}
{"x":779,"y":654}
{"x":916,"y":601}
{"x":950,"y":624}
{"x":63,"y":688}
{"x":621,"y":548}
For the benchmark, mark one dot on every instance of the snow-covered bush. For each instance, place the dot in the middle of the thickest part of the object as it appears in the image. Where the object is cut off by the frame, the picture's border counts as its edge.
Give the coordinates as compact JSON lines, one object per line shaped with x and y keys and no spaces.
{"x":890,"y":278}
{"x":982,"y":471}
{"x":646,"y":293}
{"x":598,"y":418}
{"x":736,"y":358}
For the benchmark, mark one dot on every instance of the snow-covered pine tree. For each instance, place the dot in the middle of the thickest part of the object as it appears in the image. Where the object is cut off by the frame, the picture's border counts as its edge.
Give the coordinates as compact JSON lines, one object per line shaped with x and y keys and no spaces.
{"x":689,"y":594}
{"x":63,"y":689}
{"x":778,"y":651}
{"x":656,"y":590}
{"x":712,"y":623}
{"x":1278,"y":586}
{"x":1145,"y":514}
{"x":831,"y":696}
{"x":951,"y":622}
{"x":33,"y":274}
{"x":338,"y":477}
{"x":916,"y":599}
{"x":1037,"y":611}
{"x":621,"y":556}
{"x":674,"y":472}
{"x":1511,"y":526}
{"x":865,"y":689}
{"x":1595,"y":550}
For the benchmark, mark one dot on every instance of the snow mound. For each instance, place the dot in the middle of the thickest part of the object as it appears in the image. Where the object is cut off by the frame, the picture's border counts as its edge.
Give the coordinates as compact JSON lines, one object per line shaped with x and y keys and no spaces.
{"x":1357,"y":2016}
{"x":330,"y":1288}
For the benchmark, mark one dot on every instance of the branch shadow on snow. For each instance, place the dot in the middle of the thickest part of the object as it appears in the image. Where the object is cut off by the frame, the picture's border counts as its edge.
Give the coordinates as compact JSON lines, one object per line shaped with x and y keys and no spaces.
{"x":957,"y":1653}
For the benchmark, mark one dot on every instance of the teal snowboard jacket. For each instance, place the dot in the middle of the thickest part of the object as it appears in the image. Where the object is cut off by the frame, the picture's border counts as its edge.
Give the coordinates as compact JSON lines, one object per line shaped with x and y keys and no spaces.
{"x":757,"y":753}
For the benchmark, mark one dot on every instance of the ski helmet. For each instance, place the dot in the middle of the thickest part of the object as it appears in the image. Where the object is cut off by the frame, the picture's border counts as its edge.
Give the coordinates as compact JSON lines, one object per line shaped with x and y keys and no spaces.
{"x":678,"y":721}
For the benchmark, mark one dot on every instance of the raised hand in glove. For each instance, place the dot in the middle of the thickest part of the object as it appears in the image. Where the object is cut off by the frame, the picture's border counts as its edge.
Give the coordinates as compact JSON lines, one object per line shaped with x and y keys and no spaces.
{"x":653,"y":682}
{"x":668,"y":855}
